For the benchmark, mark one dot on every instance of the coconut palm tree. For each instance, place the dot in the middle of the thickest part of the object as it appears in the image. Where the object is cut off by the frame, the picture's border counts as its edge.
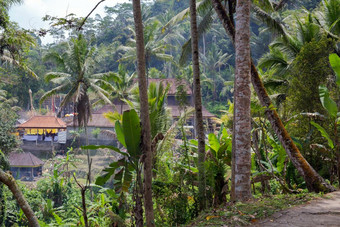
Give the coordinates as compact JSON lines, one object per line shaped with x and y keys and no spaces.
{"x":198,"y":106}
{"x":328,"y":16}
{"x":155,"y":46}
{"x":329,"y":19}
{"x":144,"y":114}
{"x":76,"y":78}
{"x":122,"y":81}
{"x":241,"y":155}
{"x":313,"y":180}
{"x":8,"y":102}
{"x":77,"y":81}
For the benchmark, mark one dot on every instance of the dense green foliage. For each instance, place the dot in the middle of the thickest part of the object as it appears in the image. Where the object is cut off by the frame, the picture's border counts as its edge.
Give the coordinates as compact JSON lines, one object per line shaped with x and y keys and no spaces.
{"x":291,"y":46}
{"x":8,"y":141}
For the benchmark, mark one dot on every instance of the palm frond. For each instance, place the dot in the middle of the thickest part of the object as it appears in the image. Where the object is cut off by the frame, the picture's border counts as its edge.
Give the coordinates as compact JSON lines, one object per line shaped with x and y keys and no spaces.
{"x":56,"y":77}
{"x":165,"y":57}
{"x":266,"y":5}
{"x":9,"y":59}
{"x":203,"y":26}
{"x":101,"y":93}
{"x":274,"y":83}
{"x":201,"y":6}
{"x":56,"y":58}
{"x":272,"y":23}
{"x":49,"y":93}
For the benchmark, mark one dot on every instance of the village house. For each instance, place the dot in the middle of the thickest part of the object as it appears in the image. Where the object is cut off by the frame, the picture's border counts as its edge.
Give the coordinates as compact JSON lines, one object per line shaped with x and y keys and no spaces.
{"x":42,"y":134}
{"x":98,"y":126}
{"x":25,"y":165}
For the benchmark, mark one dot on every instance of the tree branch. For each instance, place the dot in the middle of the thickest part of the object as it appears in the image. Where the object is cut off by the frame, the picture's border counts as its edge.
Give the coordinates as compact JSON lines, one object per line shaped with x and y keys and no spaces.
{"x":83,"y":22}
{"x":8,"y":180}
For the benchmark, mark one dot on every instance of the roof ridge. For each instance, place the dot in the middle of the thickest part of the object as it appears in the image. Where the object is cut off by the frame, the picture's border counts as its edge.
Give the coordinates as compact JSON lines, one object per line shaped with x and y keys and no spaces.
{"x":29,"y":153}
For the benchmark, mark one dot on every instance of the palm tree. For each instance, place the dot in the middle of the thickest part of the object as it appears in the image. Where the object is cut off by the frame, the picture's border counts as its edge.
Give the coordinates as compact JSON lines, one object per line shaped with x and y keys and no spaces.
{"x":198,"y":106}
{"x":154,"y":45}
{"x":313,"y":180}
{"x":77,"y":81}
{"x":144,"y":114}
{"x":121,"y":85}
{"x":241,"y":155}
{"x":328,"y":16}
{"x":8,"y":102}
{"x":329,"y":19}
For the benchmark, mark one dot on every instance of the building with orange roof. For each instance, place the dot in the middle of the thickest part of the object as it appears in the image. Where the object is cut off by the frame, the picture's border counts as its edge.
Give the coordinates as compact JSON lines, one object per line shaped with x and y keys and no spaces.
{"x":42,"y":128}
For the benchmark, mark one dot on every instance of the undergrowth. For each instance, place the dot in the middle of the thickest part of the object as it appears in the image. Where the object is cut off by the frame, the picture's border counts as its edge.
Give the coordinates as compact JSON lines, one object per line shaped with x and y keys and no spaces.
{"x":241,"y":214}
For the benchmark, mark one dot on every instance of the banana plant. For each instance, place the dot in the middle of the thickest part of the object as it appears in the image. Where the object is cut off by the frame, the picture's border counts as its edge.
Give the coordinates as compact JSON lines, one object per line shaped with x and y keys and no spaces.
{"x":128,"y":132}
{"x":332,"y":109}
{"x":218,"y":159}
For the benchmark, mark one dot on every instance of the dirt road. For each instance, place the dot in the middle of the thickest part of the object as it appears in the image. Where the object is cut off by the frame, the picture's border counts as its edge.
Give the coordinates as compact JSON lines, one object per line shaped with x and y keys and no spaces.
{"x":319,"y":212}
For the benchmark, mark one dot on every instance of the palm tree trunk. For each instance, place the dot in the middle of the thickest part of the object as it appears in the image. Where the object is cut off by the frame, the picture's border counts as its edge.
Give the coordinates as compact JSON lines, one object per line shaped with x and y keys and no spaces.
{"x":198,"y":106}
{"x":313,"y":180}
{"x":144,"y":114}
{"x":241,"y":187}
{"x":89,"y":163}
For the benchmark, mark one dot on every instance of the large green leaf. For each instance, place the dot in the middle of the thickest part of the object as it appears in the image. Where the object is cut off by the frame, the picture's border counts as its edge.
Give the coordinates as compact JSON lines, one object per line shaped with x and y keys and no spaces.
{"x":281,"y":153}
{"x":214,"y":144}
{"x":334,"y":59}
{"x":327,"y":102}
{"x":120,"y":133}
{"x":132,"y":133}
{"x":323,"y":133}
{"x":101,"y":180}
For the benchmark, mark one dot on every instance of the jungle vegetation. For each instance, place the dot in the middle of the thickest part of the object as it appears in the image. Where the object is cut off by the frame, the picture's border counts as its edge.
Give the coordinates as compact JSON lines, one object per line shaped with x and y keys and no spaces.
{"x":268,"y":70}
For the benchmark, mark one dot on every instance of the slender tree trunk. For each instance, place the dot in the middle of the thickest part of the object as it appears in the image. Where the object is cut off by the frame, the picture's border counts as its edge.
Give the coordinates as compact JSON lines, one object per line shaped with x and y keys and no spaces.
{"x":8,"y":180}
{"x":198,"y":106}
{"x":88,"y":159}
{"x":83,"y":202}
{"x":138,"y":194}
{"x":144,"y":114}
{"x":313,"y":180}
{"x":241,"y":187}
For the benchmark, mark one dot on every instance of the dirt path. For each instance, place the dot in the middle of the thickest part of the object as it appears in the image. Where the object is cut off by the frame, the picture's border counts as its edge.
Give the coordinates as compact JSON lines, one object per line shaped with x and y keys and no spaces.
{"x":319,"y":212}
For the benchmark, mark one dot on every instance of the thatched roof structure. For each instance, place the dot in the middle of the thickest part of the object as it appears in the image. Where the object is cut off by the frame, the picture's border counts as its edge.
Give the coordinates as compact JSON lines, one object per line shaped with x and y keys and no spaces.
{"x":26,"y":159}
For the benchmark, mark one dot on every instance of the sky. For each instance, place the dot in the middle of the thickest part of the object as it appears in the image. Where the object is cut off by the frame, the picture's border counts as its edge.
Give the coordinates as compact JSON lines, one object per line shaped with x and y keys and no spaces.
{"x":29,"y":14}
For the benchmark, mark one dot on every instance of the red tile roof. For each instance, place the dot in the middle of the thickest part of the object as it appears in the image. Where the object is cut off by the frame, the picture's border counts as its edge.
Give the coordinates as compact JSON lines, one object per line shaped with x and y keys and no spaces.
{"x":43,"y":122}
{"x":26,"y":159}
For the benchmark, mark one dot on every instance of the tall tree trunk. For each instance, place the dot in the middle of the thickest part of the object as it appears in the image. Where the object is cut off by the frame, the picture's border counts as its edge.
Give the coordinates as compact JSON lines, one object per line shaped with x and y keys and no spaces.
{"x":138,"y":196}
{"x":198,"y":106}
{"x":241,"y":188}
{"x":144,"y":114}
{"x":88,"y":159}
{"x":313,"y":180}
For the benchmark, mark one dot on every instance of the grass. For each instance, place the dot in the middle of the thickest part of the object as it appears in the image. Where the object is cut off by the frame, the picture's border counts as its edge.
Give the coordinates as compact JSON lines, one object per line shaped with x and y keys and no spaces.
{"x":241,"y":214}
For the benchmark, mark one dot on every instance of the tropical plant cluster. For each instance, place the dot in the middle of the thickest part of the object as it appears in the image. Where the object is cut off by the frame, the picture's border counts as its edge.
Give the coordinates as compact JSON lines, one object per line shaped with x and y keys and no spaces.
{"x":295,"y":51}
